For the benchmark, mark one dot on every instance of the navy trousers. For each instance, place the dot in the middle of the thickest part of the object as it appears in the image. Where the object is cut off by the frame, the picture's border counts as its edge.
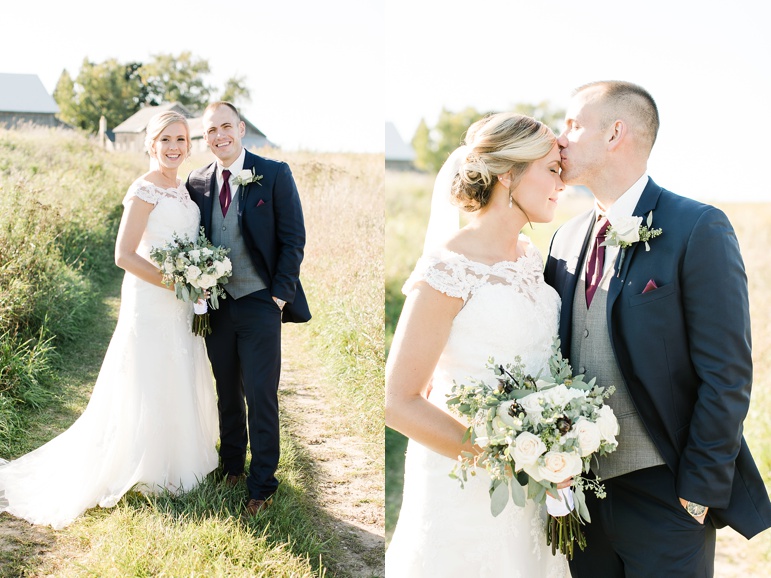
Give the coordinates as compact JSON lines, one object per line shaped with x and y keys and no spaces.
{"x":245,"y":353}
{"x":641,"y":529}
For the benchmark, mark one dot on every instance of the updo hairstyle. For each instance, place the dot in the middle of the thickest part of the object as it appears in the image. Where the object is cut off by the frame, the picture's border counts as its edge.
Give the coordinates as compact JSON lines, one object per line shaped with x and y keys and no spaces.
{"x":497,"y":144}
{"x":157,"y":125}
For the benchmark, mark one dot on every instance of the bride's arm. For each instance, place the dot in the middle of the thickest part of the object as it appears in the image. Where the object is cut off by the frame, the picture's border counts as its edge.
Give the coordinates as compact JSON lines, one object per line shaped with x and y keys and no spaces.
{"x":420,"y":337}
{"x":132,"y":226}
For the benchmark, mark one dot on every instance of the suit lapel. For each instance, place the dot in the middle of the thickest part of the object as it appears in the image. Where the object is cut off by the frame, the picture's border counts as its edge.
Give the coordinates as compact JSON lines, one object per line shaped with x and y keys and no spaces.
{"x":585,"y":223}
{"x":208,"y":199}
{"x":645,"y":205}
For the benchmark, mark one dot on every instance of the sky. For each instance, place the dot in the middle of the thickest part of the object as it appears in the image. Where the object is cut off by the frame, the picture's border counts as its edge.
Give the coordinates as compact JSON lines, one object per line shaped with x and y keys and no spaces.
{"x":707,"y":64}
{"x":314,"y":68}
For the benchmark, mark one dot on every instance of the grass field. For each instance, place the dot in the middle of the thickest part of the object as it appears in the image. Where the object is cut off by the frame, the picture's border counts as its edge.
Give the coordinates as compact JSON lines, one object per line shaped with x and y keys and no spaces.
{"x":407,"y":208}
{"x":60,"y":202}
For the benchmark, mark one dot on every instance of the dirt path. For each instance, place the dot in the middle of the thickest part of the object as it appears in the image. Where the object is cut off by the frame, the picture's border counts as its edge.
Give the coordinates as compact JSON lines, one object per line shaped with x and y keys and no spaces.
{"x":350,"y":485}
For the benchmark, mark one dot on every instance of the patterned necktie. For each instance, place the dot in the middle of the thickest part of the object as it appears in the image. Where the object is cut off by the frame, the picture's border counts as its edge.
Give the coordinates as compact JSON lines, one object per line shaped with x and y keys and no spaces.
{"x":225,"y":192}
{"x":596,"y":263}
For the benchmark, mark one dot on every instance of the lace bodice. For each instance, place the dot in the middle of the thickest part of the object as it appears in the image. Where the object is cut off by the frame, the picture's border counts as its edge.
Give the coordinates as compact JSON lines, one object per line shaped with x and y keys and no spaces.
{"x":174,"y":213}
{"x":444,"y":530}
{"x":508,"y":310}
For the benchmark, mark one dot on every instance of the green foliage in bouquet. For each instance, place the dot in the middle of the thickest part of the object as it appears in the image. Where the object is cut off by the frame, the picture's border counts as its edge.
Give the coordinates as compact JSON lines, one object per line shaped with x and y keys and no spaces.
{"x":197,"y":270}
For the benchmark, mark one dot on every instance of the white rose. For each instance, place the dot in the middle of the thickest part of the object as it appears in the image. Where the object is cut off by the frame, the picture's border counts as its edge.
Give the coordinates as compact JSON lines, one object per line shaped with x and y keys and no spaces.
{"x":608,"y":424}
{"x":227,"y":264}
{"x":627,"y":229}
{"x":503,"y":413}
{"x":527,"y":448}
{"x":192,"y":273}
{"x":207,"y":281}
{"x":245,"y":175}
{"x":533,"y":405}
{"x":194,"y":255}
{"x":168,"y":266}
{"x":559,"y":466}
{"x":561,"y":395}
{"x":219,"y":268}
{"x":588,"y":434}
{"x":180,"y":263}
{"x":206,"y":252}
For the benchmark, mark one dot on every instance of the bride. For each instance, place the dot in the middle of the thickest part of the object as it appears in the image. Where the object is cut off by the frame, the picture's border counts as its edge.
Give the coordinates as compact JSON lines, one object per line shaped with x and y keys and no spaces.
{"x":151,"y":422}
{"x":476,"y":292}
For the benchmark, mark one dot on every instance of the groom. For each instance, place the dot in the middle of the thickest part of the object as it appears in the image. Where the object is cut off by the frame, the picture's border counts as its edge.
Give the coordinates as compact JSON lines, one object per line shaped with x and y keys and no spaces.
{"x":670,"y":328}
{"x":261,"y":221}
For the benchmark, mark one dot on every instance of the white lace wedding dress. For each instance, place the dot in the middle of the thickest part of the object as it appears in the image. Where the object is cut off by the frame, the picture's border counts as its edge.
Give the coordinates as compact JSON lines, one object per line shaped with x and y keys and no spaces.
{"x":446,"y":531}
{"x":151,"y":421}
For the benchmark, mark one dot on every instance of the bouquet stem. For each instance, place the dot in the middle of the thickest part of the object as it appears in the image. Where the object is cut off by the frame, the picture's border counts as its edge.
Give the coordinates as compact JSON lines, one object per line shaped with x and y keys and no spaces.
{"x":564,"y":532}
{"x":201,"y":326}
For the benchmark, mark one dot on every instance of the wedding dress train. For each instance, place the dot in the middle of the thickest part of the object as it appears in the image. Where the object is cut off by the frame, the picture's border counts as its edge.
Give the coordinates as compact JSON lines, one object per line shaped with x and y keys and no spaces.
{"x":444,"y":530}
{"x":151,"y":422}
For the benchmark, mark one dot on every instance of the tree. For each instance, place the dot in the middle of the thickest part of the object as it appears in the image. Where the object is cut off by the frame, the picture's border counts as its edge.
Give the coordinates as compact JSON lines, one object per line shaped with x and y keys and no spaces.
{"x":236,"y":90}
{"x":110,"y":88}
{"x":170,"y":78}
{"x":552,"y":117}
{"x":423,"y":147}
{"x":64,"y":95}
{"x":434,"y":146}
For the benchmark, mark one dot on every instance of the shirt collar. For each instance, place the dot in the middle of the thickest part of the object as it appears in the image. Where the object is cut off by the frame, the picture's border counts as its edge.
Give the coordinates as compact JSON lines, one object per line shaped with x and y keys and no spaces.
{"x":236,"y":167}
{"x":626,"y":203}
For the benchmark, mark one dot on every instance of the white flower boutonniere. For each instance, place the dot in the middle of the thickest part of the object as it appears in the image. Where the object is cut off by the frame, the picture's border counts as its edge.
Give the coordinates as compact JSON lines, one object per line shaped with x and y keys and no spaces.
{"x":628,"y":231}
{"x":247,"y":176}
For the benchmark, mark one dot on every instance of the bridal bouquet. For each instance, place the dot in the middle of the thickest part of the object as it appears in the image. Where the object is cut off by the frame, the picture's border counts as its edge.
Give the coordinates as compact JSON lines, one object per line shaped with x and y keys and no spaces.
{"x":197,"y":270}
{"x":535,"y":433}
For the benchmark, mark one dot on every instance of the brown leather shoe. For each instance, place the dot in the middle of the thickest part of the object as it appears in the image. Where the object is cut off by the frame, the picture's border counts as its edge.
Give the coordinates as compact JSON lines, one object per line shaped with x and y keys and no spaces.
{"x":232,"y":480}
{"x":254,"y":507}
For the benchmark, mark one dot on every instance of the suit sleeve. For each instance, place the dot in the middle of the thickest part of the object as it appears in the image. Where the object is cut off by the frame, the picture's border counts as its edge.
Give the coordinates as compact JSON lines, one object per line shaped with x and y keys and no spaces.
{"x":716,"y":305}
{"x":290,"y":235}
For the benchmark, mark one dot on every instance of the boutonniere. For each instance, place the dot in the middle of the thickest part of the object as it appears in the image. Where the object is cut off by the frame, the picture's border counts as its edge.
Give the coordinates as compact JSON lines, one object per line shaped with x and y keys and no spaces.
{"x":247,"y":176}
{"x":628,"y":231}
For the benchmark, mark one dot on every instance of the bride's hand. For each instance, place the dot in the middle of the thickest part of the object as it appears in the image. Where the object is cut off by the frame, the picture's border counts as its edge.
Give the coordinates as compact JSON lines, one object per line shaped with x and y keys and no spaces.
{"x":565,"y":484}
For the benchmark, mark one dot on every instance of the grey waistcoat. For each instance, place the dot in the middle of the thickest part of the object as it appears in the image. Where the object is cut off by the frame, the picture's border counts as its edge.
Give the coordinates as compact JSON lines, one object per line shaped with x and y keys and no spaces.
{"x":592,"y":354}
{"x":225,"y":232}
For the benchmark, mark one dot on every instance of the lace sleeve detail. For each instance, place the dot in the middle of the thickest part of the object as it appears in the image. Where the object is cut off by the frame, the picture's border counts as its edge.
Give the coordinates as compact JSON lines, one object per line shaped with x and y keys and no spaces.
{"x":449,"y":276}
{"x":144,"y":191}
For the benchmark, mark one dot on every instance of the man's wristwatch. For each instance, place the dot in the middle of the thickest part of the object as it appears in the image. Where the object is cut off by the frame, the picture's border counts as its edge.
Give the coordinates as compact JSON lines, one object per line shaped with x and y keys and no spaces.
{"x":694,"y":509}
{"x":280,"y":303}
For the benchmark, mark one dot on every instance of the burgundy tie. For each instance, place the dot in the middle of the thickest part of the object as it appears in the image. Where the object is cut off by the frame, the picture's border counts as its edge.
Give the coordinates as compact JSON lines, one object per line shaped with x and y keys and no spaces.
{"x":596,"y":263}
{"x":225,"y":192}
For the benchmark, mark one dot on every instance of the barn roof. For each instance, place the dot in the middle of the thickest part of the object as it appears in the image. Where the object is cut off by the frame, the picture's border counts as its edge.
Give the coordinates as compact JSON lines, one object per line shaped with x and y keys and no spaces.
{"x":395,"y":147}
{"x":25,"y":93}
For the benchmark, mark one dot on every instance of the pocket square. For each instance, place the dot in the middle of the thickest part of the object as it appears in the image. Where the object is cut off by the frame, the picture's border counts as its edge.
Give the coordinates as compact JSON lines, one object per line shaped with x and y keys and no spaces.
{"x":650,"y":286}
{"x":260,"y":203}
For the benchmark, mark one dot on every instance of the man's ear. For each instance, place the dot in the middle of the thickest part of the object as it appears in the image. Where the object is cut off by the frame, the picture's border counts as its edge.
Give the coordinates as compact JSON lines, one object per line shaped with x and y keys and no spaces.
{"x":616,"y":133}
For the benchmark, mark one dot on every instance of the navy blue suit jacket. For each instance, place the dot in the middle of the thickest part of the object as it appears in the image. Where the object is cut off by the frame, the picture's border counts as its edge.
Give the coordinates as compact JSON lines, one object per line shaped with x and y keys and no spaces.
{"x":684,"y":348}
{"x":271,"y":221}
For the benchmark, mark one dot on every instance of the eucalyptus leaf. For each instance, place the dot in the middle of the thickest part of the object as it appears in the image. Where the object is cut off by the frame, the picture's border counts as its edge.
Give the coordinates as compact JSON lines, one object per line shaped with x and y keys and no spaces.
{"x":517,"y":493}
{"x":580,"y":501}
{"x":498,"y":499}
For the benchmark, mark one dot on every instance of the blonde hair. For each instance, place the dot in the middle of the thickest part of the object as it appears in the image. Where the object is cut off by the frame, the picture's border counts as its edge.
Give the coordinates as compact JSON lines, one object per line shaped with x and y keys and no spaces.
{"x":497,"y":144}
{"x":157,"y":125}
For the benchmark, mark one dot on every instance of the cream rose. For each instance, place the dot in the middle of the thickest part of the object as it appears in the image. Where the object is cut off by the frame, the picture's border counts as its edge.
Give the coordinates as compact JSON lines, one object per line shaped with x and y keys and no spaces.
{"x":194,"y":255}
{"x":192,"y":273}
{"x":207,"y":281}
{"x":559,"y":466}
{"x":527,"y":448}
{"x":588,"y":434}
{"x":608,"y":424}
{"x":532,"y":404}
{"x":627,"y":229}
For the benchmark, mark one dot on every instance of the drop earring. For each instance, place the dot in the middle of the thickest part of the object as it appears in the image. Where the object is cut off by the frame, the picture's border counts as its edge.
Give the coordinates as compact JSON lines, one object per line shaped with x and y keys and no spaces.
{"x":511,"y":201}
